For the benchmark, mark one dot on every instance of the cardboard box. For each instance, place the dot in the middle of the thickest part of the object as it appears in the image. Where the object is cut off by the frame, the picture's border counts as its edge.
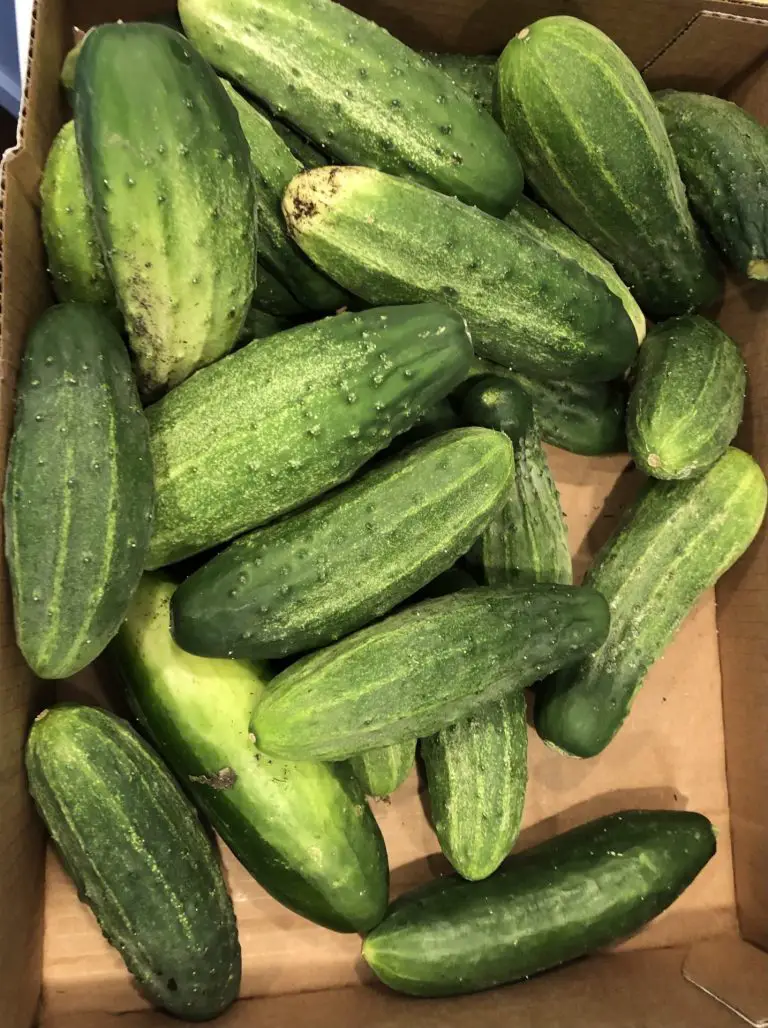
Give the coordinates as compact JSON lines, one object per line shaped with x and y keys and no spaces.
{"x":704,"y":707}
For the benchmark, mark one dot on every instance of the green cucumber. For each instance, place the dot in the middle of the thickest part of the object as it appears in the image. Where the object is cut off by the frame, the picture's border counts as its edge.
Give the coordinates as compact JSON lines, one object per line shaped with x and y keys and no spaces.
{"x":303,"y":830}
{"x":139,"y":857}
{"x":78,"y":493}
{"x":527,"y":539}
{"x":582,"y":417}
{"x":272,"y":297}
{"x":674,"y":543}
{"x":550,"y":230}
{"x":722,"y":152}
{"x":259,"y":325}
{"x":527,"y":307}
{"x":286,"y":418}
{"x":304,"y":152}
{"x":475,"y":74}
{"x":441,"y":417}
{"x":273,"y":168}
{"x":477,"y":774}
{"x":595,"y":149}
{"x":309,"y":579}
{"x":424,"y":668}
{"x":687,"y":398}
{"x":169,"y":179}
{"x":74,"y":255}
{"x":350,"y":86}
{"x":557,"y":901}
{"x":383,"y":770}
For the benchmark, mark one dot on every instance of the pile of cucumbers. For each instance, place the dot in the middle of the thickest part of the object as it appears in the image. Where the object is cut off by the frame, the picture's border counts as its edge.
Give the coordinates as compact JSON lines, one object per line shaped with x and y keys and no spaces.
{"x":278,"y":454}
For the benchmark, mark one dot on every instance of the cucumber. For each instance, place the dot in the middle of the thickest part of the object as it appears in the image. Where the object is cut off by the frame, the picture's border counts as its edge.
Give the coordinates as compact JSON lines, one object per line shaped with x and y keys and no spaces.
{"x":139,"y":857}
{"x":273,"y":298}
{"x":424,"y":668}
{"x":595,"y":149}
{"x":722,"y":152}
{"x":308,"y":579}
{"x":304,"y":152}
{"x":687,"y":398}
{"x":475,"y":74}
{"x":383,"y":770}
{"x":169,"y":178}
{"x":557,"y":901}
{"x":74,"y":255}
{"x":273,"y":168}
{"x":527,"y":539}
{"x":350,"y":86}
{"x":258,"y":325}
{"x":477,"y":774}
{"x":441,"y":417}
{"x":78,"y":493}
{"x":527,"y":307}
{"x":286,"y":418}
{"x":675,"y":542}
{"x":304,"y":830}
{"x":582,"y":417}
{"x":550,"y":230}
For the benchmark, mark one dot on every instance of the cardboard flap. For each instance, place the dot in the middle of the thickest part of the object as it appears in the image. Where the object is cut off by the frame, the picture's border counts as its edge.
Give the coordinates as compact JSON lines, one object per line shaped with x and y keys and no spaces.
{"x":735,"y":974}
{"x":712,"y":50}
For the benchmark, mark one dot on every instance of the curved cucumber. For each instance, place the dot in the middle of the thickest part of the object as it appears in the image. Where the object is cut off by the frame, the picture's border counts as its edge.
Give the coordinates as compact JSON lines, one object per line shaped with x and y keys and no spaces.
{"x":311,"y":578}
{"x":78,"y":493}
{"x":675,"y":542}
{"x":477,"y":774}
{"x":286,"y":418}
{"x":424,"y":668}
{"x":527,"y":306}
{"x":723,"y":157}
{"x":357,"y":91}
{"x":383,"y":770}
{"x":550,"y":904}
{"x":303,"y":830}
{"x":169,"y":179}
{"x":595,"y":149}
{"x":139,"y":857}
{"x":687,"y":398}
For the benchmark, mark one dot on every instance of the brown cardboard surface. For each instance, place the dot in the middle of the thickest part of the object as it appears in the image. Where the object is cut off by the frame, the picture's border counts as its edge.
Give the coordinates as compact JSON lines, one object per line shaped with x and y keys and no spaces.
{"x":733,"y":972}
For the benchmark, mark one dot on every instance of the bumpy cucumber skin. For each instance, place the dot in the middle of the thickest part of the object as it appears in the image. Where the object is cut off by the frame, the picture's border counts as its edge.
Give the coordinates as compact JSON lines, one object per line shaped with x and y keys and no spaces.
{"x":687,"y":398}
{"x":477,"y":775}
{"x":173,"y":198}
{"x":286,"y":418}
{"x":309,"y":579}
{"x":424,"y":668}
{"x":722,"y":152}
{"x":74,"y":255}
{"x":550,"y":230}
{"x":553,"y":903}
{"x":273,"y":168}
{"x":350,"y":86}
{"x":475,"y":74}
{"x":78,"y":493}
{"x":303,"y":830}
{"x":527,"y":306}
{"x":594,"y":147}
{"x":139,"y":857}
{"x":674,"y":543}
{"x":383,"y":770}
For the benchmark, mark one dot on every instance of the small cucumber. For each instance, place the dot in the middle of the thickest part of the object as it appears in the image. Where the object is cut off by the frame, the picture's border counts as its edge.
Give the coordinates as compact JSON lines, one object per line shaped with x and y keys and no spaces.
{"x":382,"y":770}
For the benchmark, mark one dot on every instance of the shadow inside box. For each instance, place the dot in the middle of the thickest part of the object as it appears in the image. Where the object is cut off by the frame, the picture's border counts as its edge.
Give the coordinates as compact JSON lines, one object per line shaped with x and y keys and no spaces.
{"x":622,"y":494}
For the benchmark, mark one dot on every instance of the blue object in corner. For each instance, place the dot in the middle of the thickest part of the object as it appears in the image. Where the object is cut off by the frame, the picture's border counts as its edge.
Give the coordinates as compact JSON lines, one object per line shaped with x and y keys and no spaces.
{"x":10,"y":78}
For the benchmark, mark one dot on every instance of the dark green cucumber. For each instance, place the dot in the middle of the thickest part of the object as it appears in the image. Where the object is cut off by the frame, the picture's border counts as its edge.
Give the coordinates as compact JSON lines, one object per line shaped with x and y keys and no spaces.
{"x":687,"y":398}
{"x":426,"y":667}
{"x":441,"y":417}
{"x":595,"y":149}
{"x":674,"y":543}
{"x":78,"y":493}
{"x":74,"y":255}
{"x":477,"y":774}
{"x":169,"y":179}
{"x":475,"y":74}
{"x":139,"y":857}
{"x":573,"y":894}
{"x":722,"y":152}
{"x":527,"y":539}
{"x":303,"y":830}
{"x":383,"y":770}
{"x":258,"y":325}
{"x":527,"y":306}
{"x":286,"y":418}
{"x":353,"y":88}
{"x":304,"y":152}
{"x":272,"y":297}
{"x":308,"y":579}
{"x":550,"y":230}
{"x":273,"y":168}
